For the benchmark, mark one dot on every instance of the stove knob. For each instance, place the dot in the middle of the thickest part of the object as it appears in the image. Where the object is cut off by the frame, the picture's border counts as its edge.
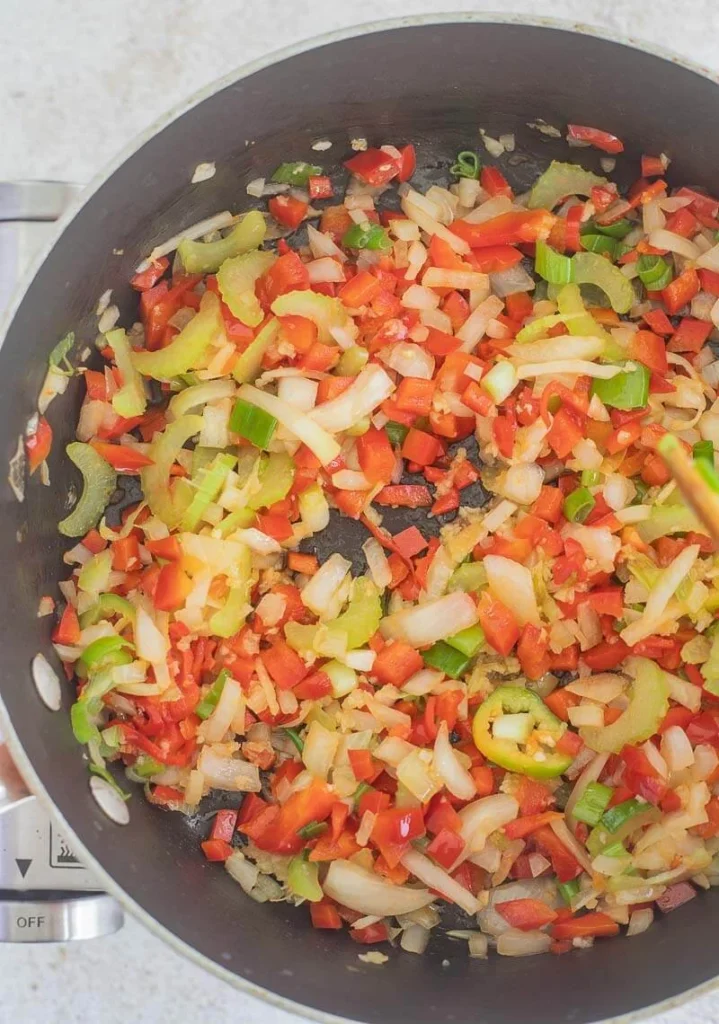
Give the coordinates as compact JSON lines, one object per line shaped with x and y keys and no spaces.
{"x":61,"y":919}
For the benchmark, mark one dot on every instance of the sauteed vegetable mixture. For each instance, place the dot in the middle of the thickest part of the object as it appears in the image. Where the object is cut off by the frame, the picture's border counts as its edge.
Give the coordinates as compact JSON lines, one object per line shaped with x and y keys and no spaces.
{"x":516,"y":714}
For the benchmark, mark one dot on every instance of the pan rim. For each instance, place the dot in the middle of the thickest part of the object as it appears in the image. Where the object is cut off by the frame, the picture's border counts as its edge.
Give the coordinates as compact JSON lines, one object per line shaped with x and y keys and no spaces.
{"x":175,"y":113}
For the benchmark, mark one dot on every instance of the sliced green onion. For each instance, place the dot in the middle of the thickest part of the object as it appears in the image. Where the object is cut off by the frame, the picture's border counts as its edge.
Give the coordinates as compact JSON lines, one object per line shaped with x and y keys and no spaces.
{"x":58,"y":356}
{"x":313,"y":829}
{"x":468,"y":641}
{"x":654,"y":272}
{"x":628,"y":390}
{"x":209,"y":702}
{"x":593,"y":803}
{"x":568,"y":889}
{"x":704,"y":450}
{"x":466,"y":166}
{"x":590,"y":477}
{"x":364,"y":787}
{"x":708,"y":473}
{"x":366,"y":236}
{"x":396,"y":432}
{"x":446,"y":659}
{"x":296,"y":173}
{"x":619,"y":229}
{"x":578,"y":505}
{"x":600,"y":243}
{"x":552,"y":265}
{"x":296,"y":739}
{"x":253,"y":423}
{"x":615,"y":817}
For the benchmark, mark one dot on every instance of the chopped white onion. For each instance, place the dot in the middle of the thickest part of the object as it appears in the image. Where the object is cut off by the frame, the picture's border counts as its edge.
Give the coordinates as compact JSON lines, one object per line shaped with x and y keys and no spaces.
{"x":368,"y":390}
{"x":367,"y":893}
{"x":663,"y":239}
{"x":227,"y":772}
{"x":377,"y":563}
{"x":523,"y":483}
{"x":318,"y":592}
{"x":511,"y":583}
{"x":426,"y":623}
{"x":473,"y":329}
{"x":446,"y":763}
{"x":438,"y":879}
{"x":307,"y":430}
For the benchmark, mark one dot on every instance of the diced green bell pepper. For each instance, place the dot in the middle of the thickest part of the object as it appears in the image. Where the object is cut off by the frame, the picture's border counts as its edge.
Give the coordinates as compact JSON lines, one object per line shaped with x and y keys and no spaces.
{"x":628,"y":390}
{"x":209,"y":702}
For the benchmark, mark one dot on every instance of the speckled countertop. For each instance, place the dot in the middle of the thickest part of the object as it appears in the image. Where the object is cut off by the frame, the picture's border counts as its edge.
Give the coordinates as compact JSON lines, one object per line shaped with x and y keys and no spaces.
{"x":78,"y":79}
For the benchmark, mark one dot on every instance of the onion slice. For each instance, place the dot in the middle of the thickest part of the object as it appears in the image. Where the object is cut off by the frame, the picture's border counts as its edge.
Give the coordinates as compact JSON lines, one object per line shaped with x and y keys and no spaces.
{"x":366,"y":893}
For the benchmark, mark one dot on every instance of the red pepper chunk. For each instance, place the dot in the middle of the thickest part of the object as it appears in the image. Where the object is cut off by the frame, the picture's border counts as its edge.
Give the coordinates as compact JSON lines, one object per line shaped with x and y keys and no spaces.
{"x":408,"y":163}
{"x":374,"y":166}
{"x":287,"y":210}
{"x":324,"y":915}
{"x":401,"y":496}
{"x":38,"y":444}
{"x":284,"y":666}
{"x":147,"y":279}
{"x":690,"y":335}
{"x":681,"y":291}
{"x":275,"y":829}
{"x":172,"y":589}
{"x":288,"y":274}
{"x":533,"y":651}
{"x":499,"y":624}
{"x":121,"y":457}
{"x":420,"y":447}
{"x":396,"y":662}
{"x":223,"y":826}
{"x":565,"y":866}
{"x":507,"y":229}
{"x":216,"y":849}
{"x":648,"y":348}
{"x":446,"y":847}
{"x":589,"y":925}
{"x":605,"y":141}
{"x":319,"y":187}
{"x":526,"y":914}
{"x":376,"y":457}
{"x":67,"y":630}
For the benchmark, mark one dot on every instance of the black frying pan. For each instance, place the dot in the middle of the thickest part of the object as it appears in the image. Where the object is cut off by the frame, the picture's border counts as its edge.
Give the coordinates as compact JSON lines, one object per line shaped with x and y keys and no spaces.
{"x":432,"y":84}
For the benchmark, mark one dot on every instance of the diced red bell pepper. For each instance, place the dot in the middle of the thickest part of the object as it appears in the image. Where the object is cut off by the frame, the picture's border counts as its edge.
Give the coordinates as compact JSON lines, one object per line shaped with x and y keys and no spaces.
{"x":166,"y":547}
{"x":414,"y":394}
{"x":404,"y":496}
{"x":520,"y":828}
{"x":594,"y":924}
{"x":420,"y":447}
{"x":319,"y":187}
{"x":395,"y":663}
{"x":605,"y":141}
{"x":146,"y":279}
{"x":564,"y":433}
{"x":441,"y":815}
{"x":363,"y":765}
{"x":275,"y":829}
{"x":526,"y":914}
{"x":548,"y":505}
{"x":494,"y":258}
{"x":67,"y":631}
{"x":408,"y":163}
{"x":121,"y":457}
{"x":223,"y":825}
{"x":287,"y":274}
{"x":682,"y":222}
{"x":284,"y":665}
{"x":376,"y":457}
{"x":330,"y":847}
{"x":560,"y":701}
{"x":494,"y":182}
{"x":216,"y":849}
{"x":410,"y":542}
{"x":446,"y":847}
{"x":38,"y":444}
{"x":564,"y":864}
{"x":652,"y":166}
{"x":690,"y":335}
{"x":507,"y":229}
{"x":681,"y":291}
{"x":605,"y":656}
{"x":313,"y":687}
{"x":499,"y":624}
{"x":360,"y":290}
{"x":532,"y":651}
{"x":126,"y":553}
{"x":287,"y":210}
{"x":709,"y":280}
{"x":648,"y":348}
{"x":659,"y":322}
{"x":374,"y":166}
{"x":324,"y":915}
